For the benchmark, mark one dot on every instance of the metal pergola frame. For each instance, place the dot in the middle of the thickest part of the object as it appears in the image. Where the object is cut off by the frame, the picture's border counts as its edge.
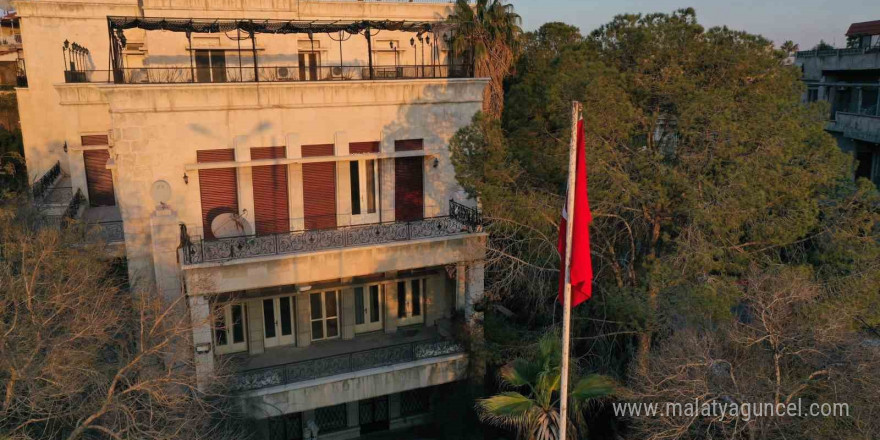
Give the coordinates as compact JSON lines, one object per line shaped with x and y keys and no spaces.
{"x":116,"y":25}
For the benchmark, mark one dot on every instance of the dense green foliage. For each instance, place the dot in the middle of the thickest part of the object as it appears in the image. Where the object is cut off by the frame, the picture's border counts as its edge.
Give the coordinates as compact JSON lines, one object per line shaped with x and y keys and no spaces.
{"x":711,"y":185}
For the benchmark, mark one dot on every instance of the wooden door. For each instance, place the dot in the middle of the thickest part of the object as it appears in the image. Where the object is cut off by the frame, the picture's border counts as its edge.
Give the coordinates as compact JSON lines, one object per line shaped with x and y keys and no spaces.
{"x":271,"y":207}
{"x":218,"y":187}
{"x":99,"y":179}
{"x":319,"y":188}
{"x":409,"y":194}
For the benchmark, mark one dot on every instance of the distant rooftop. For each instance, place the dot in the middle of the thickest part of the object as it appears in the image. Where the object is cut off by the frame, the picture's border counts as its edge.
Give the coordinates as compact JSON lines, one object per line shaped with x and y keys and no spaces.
{"x":864,"y":28}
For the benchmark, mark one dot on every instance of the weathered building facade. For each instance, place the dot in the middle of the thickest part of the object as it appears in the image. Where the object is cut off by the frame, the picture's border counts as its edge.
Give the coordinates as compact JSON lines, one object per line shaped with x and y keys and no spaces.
{"x":849,"y":79}
{"x":284,"y":166}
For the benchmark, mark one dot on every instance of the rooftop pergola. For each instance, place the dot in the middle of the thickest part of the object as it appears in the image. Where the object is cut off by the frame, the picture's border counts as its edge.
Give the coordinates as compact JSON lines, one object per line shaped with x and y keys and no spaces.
{"x":248,"y":29}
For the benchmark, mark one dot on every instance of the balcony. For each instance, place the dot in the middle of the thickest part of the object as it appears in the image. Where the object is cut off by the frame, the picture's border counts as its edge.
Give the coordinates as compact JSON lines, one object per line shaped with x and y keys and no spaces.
{"x":265,"y":74}
{"x":247,"y":61}
{"x":461,"y":220}
{"x":292,"y":365}
{"x":863,"y":127}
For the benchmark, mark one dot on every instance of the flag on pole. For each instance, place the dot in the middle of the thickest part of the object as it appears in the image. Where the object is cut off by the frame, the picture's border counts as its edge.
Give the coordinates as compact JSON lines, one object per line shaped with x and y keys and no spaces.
{"x":581,"y":276}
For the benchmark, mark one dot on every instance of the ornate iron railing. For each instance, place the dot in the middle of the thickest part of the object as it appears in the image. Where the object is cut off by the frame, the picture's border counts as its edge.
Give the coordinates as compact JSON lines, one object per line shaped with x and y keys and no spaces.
{"x":462,"y":220}
{"x":343,"y":363}
{"x":44,"y":183}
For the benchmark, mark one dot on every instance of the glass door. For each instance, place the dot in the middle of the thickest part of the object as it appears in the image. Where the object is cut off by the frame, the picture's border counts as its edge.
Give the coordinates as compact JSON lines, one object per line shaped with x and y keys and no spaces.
{"x":410,"y":301}
{"x":368,"y":308}
{"x":278,"y":324}
{"x":363,"y":176}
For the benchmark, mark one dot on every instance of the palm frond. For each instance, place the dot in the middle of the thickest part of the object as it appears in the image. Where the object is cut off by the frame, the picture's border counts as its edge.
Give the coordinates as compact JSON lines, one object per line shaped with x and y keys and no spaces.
{"x":592,"y":387}
{"x":509,"y":409}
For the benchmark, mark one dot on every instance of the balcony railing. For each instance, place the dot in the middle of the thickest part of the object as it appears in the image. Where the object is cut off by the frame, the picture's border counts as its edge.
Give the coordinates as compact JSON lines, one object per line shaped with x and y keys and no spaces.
{"x":344,"y":363}
{"x":837,"y":52}
{"x":43,"y":184}
{"x":461,"y":220}
{"x":269,"y":74}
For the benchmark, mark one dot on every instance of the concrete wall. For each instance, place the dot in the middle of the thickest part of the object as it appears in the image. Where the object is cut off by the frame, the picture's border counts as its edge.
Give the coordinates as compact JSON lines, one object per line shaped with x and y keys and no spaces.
{"x":156,"y":131}
{"x":814,"y":66}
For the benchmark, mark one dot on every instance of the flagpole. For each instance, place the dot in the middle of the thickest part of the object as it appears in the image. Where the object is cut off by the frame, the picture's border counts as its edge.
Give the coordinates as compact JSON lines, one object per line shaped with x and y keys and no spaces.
{"x":566,"y":304}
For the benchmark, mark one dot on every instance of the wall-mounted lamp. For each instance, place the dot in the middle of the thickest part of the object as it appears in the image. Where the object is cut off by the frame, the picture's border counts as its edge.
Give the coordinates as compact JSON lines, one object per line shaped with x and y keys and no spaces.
{"x":185,"y":178}
{"x":203,"y":348}
{"x":304,"y":288}
{"x":65,"y":146}
{"x":412,"y":42}
{"x":436,"y":162}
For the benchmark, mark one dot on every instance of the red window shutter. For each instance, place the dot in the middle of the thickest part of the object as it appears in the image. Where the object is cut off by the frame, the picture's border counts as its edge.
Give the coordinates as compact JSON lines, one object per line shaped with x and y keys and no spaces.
{"x":409,"y":197}
{"x":409,"y":145}
{"x":319,"y":195}
{"x":218,"y":187}
{"x":94,"y":139}
{"x":271,"y":209}
{"x":363,"y":147}
{"x":318,"y":150}
{"x":99,"y":179}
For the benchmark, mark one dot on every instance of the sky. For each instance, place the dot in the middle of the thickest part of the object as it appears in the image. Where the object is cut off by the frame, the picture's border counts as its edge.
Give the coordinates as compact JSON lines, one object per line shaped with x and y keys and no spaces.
{"x":803,"y":21}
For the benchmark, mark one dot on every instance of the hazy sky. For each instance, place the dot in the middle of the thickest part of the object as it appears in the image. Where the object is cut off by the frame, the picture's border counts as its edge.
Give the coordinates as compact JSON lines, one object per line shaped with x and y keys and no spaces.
{"x":804,"y":21}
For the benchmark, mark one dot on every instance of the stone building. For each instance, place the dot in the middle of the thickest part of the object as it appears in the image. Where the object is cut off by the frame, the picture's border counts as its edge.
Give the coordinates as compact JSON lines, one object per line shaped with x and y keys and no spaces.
{"x":284,"y":165}
{"x":849,"y":80}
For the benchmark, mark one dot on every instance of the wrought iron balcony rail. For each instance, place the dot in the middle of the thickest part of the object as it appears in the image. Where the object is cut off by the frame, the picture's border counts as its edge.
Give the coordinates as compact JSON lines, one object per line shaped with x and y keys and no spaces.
{"x":43,"y":184}
{"x":269,"y":74}
{"x":341,"y":364}
{"x":461,"y":220}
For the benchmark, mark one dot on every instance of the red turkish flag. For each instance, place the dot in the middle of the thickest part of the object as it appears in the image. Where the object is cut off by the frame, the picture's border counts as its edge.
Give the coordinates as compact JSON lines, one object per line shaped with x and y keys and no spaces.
{"x":581,"y":263}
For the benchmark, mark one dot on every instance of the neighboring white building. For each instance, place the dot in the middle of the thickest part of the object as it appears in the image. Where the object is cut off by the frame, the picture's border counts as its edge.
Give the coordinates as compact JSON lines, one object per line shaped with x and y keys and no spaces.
{"x":289,"y":177}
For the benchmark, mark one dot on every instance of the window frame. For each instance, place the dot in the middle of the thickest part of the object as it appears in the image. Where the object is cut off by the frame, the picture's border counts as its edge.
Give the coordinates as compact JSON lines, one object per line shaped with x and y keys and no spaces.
{"x":364,"y":215}
{"x":324,"y":318}
{"x":367,"y":326}
{"x":229,"y":346}
{"x":409,"y":317}
{"x":279,"y":340}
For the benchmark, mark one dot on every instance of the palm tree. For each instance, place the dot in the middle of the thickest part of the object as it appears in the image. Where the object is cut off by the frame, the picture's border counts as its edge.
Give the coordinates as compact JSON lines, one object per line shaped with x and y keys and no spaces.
{"x":487,"y":33}
{"x":535,"y":415}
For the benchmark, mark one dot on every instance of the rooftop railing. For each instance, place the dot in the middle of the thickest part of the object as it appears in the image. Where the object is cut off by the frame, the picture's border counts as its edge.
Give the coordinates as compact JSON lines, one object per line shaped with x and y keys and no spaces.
{"x":460,"y":221}
{"x":343,"y":363}
{"x":837,"y":52}
{"x":269,"y":74}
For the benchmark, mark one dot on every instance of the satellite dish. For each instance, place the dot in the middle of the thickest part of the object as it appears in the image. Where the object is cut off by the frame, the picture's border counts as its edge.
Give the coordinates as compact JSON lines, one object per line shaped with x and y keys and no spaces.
{"x":161,"y":192}
{"x":230,"y":225}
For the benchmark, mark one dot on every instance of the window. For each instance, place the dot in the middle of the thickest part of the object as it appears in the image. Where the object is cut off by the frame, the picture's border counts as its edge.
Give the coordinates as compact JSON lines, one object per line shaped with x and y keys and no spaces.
{"x":364,"y":188}
{"x":210,"y":66}
{"x":410,"y":297}
{"x":229,"y":328}
{"x":309,"y":62}
{"x":367,"y":308}
{"x":331,"y":418}
{"x":278,"y":321}
{"x":812,"y":95}
{"x":324,"y":314}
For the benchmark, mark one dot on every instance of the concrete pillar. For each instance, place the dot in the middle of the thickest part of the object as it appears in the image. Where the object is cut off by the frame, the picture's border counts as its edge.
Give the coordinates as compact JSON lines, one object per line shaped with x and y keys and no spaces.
{"x":391,"y":304}
{"x":77,"y":169}
{"x":393,"y":406}
{"x":353,"y":416}
{"x":437,"y":304}
{"x":303,"y":321}
{"x":386,"y":190}
{"x":245,"y":181}
{"x":308,"y":416}
{"x":255,"y":326}
{"x":877,"y":107}
{"x":200,"y":316}
{"x":858,"y":106}
{"x":348,"y":311}
{"x":294,"y":183}
{"x":475,"y":292}
{"x":164,"y":239}
{"x":460,"y":286}
{"x":343,"y":194}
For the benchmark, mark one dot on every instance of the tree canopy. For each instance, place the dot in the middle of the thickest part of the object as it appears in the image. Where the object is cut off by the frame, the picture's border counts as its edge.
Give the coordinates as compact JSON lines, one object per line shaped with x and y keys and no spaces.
{"x":705,"y":171}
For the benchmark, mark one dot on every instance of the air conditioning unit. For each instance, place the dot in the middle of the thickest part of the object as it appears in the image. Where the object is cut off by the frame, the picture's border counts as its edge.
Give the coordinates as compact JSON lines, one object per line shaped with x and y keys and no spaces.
{"x":283,"y":72}
{"x":336,"y":72}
